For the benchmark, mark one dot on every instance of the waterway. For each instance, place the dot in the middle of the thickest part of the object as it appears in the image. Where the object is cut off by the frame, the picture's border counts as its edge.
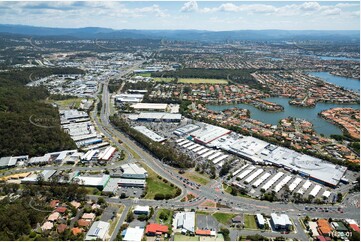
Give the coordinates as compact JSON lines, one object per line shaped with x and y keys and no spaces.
{"x":310,"y":114}
{"x":338,"y":58}
{"x":348,"y":83}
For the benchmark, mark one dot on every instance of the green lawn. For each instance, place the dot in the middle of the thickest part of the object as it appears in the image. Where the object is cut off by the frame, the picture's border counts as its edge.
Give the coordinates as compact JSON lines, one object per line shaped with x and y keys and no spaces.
{"x":143,"y":74}
{"x":196,"y":177}
{"x":163,"y":79}
{"x":224,"y":218}
{"x":169,"y":214}
{"x":181,"y":237}
{"x":191,"y":80}
{"x":200,"y":80}
{"x":250,"y":222}
{"x":156,"y":185}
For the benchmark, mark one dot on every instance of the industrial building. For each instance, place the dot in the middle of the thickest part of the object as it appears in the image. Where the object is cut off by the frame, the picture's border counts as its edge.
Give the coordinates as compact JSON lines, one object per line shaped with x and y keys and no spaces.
{"x":185,"y":221}
{"x":159,"y":107}
{"x":98,"y":231}
{"x":12,"y":161}
{"x":128,"y":98}
{"x":45,"y":176}
{"x":92,"y":181}
{"x":141,"y":210}
{"x":157,"y":117}
{"x":281,"y":222}
{"x":261,"y":152}
{"x":133,"y":171}
{"x":133,"y":234}
{"x":186,"y":129}
{"x":131,"y":182}
{"x":208,"y":133}
{"x":260,"y":220}
{"x":149,"y":133}
{"x":107,"y":153}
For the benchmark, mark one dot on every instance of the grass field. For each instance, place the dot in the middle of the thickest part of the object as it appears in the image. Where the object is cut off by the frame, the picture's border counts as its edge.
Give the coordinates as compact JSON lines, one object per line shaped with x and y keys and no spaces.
{"x":250,"y":222}
{"x":163,"y":79}
{"x":227,"y":188}
{"x":169,"y":216}
{"x":191,"y":80}
{"x":156,"y":185}
{"x":143,"y":74}
{"x":200,"y":80}
{"x":196,"y":177}
{"x":72,"y":102}
{"x":224,"y":218}
{"x":181,"y":237}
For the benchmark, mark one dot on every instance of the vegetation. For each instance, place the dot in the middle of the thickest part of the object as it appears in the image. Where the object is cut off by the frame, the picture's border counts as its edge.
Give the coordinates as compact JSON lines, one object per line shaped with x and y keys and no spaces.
{"x":224,"y":218}
{"x":164,"y":216}
{"x":225,"y":168}
{"x":250,"y":222}
{"x":181,"y":237}
{"x":158,"y":188}
{"x":196,"y":177}
{"x":162,"y":151}
{"x":28,"y":125}
{"x":225,"y":233}
{"x":256,"y":237}
{"x":20,"y":216}
{"x":240,"y":76}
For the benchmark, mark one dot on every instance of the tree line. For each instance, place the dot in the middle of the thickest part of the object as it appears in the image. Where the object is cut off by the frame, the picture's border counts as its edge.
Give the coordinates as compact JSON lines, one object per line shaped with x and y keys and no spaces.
{"x":162,"y":151}
{"x":28,"y":125}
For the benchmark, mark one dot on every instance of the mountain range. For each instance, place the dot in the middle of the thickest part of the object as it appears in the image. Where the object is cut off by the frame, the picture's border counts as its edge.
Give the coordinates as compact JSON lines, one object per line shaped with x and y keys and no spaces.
{"x":189,"y":35}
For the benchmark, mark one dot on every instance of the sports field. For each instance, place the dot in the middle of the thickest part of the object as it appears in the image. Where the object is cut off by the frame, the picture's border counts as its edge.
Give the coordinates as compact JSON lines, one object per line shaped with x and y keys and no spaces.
{"x":191,"y":80}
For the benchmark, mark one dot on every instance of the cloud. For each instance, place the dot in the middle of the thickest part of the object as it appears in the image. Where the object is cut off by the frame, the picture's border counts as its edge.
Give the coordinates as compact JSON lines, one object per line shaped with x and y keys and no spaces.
{"x":310,"y":6}
{"x":304,"y":9}
{"x":347,"y":5}
{"x":190,"y":6}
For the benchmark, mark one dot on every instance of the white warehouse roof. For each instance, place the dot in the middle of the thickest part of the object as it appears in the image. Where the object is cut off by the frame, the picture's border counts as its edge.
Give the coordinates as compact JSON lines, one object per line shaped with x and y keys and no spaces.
{"x":149,"y":133}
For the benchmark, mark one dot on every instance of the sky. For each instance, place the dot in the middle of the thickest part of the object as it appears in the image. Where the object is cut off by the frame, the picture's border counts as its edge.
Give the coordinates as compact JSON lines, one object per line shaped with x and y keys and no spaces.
{"x":201,"y":15}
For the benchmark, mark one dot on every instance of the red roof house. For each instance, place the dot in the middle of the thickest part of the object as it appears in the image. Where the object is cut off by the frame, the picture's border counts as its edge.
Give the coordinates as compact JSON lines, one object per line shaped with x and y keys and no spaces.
{"x":203,"y":232}
{"x":355,"y":227}
{"x":156,"y":229}
{"x":60,"y":209}
{"x":54,"y":203}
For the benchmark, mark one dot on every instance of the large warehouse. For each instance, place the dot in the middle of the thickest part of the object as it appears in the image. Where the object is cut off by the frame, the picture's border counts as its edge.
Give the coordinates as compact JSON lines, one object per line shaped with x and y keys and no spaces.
{"x":133,"y":171}
{"x":207,"y":133}
{"x":158,"y":117}
{"x":149,"y":133}
{"x":259,"y":151}
{"x":159,"y":107}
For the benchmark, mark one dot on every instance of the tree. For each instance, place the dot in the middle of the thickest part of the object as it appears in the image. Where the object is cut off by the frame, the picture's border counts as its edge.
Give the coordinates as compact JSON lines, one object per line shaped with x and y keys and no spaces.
{"x":130,"y":217}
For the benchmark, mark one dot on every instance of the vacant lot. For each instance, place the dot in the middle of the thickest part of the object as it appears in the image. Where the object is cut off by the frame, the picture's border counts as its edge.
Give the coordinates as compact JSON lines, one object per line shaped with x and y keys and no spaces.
{"x":196,"y":177}
{"x":164,"y":216}
{"x":250,"y":222}
{"x":224,"y":218}
{"x":156,"y":185}
{"x":68,"y":103}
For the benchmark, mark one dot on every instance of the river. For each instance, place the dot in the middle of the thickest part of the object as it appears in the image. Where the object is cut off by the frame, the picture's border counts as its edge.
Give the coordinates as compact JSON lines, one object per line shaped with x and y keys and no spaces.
{"x":348,"y":83}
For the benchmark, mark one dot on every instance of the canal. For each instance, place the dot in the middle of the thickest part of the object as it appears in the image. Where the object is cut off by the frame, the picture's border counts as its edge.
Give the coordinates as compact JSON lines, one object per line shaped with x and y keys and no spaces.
{"x":311,"y":114}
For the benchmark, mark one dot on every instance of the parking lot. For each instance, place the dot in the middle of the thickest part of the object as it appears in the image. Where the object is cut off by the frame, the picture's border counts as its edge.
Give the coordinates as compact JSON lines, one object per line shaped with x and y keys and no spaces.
{"x":206,"y":222}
